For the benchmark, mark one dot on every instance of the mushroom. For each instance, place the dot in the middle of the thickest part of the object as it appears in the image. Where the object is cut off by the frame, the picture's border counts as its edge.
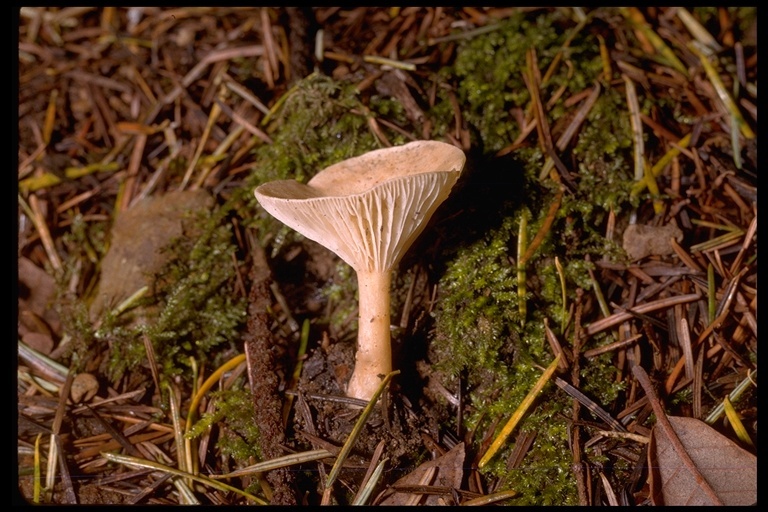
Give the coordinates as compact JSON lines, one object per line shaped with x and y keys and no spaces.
{"x":368,"y":210}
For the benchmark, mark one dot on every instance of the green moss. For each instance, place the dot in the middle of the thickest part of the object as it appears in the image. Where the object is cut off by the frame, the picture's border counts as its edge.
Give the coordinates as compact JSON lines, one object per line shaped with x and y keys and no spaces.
{"x":193,"y":312}
{"x":545,"y":476}
{"x":479,"y":333}
{"x":605,"y":153}
{"x":233,"y":416}
{"x":478,"y":305}
{"x":488,"y":71}
{"x":320,"y":122}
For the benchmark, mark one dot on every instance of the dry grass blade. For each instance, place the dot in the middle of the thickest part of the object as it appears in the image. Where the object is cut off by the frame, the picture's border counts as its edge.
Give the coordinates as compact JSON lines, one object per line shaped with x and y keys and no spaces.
{"x":364,"y":494}
{"x":745,"y":384}
{"x":147,"y":464}
{"x":280,"y":462}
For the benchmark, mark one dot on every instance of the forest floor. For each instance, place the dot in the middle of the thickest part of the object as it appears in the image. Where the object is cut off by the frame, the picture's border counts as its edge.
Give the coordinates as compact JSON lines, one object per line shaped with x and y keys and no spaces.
{"x":177,"y":345}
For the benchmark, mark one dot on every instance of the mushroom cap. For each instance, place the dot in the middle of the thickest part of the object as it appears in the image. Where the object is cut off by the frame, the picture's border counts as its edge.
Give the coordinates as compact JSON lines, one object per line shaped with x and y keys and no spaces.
{"x":370,"y":208}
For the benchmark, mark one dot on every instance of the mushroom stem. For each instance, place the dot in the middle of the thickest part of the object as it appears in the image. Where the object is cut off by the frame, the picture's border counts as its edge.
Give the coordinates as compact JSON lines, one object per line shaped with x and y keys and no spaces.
{"x":373,"y":359}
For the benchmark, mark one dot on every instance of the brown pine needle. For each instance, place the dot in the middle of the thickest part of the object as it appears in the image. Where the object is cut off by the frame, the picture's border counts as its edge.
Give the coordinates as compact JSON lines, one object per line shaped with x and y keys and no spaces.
{"x":617,"y":318}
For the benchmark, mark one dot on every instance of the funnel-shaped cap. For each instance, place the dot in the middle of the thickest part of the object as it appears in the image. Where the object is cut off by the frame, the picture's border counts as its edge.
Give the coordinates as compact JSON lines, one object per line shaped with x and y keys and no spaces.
{"x":369,"y":209}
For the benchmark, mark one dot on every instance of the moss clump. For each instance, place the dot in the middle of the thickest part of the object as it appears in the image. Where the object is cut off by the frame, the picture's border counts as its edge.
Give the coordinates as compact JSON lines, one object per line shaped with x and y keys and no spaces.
{"x":478,"y":305}
{"x":545,"y":477}
{"x":320,"y":122}
{"x":604,"y":152}
{"x":233,"y":416}
{"x":480,"y":333}
{"x":194,"y":309}
{"x":488,"y":71}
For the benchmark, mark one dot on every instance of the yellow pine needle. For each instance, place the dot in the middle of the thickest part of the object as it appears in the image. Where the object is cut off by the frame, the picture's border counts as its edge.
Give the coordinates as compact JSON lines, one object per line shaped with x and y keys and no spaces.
{"x":663,"y":161}
{"x":209,"y":383}
{"x":519,"y":413}
{"x":491,"y":498}
{"x":723,"y":94}
{"x":36,"y":482}
{"x":653,"y":187}
{"x":738,"y":426}
{"x":49,"y":179}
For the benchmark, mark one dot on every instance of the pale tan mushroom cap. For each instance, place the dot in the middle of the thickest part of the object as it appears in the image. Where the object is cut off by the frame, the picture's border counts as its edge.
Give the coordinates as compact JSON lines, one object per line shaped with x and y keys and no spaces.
{"x":368,"y":209}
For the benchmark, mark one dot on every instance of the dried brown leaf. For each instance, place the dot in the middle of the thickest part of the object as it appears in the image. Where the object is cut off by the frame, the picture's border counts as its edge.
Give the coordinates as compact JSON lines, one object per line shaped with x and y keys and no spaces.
{"x":450,"y":471}
{"x":730,"y":470}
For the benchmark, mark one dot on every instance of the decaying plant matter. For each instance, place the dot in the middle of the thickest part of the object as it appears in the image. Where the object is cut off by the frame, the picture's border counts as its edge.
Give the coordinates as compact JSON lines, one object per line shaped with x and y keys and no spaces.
{"x":593,"y":272}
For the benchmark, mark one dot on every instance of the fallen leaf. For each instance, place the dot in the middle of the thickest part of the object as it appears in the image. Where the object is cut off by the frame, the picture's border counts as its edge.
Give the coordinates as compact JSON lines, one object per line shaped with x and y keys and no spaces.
{"x":37,"y":290}
{"x":445,"y":471}
{"x":40,"y":342}
{"x":729,"y":470}
{"x":138,"y":238}
{"x":641,"y":240}
{"x":84,"y":387}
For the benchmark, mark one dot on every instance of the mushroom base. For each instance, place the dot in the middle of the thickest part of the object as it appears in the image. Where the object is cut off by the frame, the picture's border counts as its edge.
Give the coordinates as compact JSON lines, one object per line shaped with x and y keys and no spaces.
{"x":373,"y":359}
